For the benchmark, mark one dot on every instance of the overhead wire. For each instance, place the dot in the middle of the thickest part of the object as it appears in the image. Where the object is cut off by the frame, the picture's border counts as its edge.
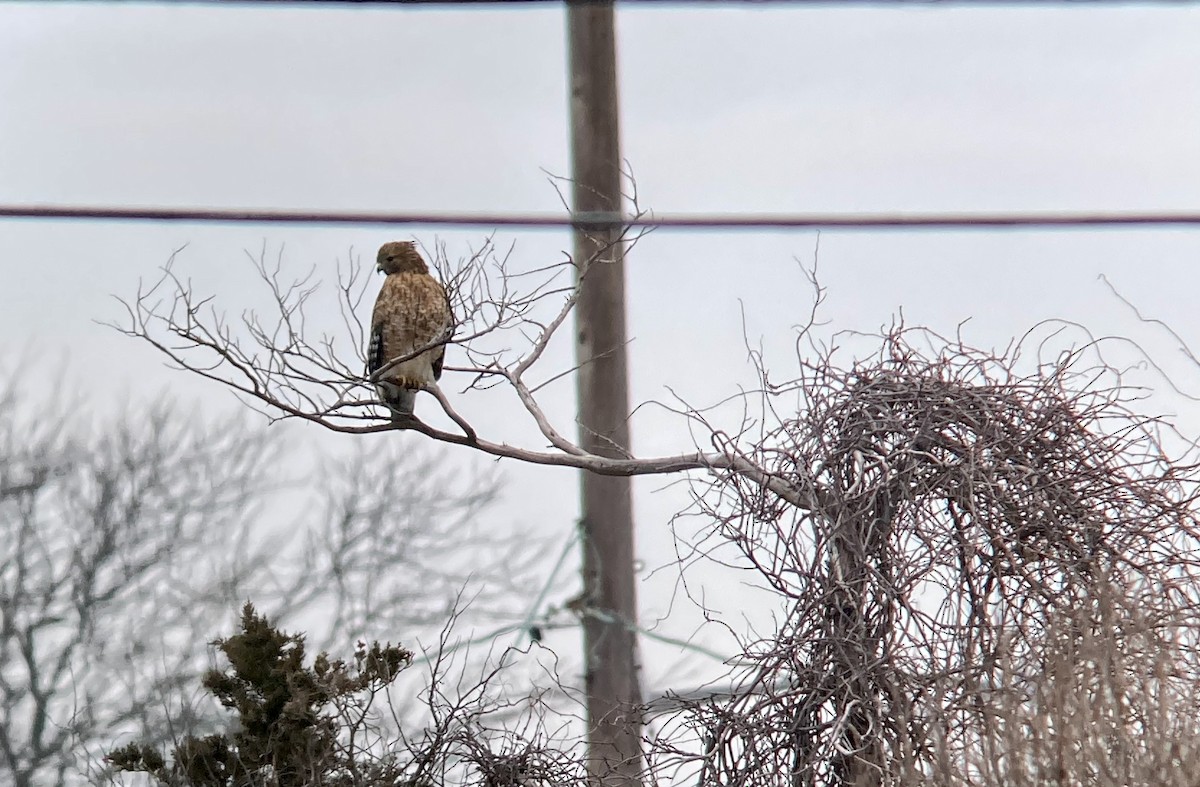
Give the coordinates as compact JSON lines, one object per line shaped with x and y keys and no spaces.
{"x":604,"y":220}
{"x":700,"y":3}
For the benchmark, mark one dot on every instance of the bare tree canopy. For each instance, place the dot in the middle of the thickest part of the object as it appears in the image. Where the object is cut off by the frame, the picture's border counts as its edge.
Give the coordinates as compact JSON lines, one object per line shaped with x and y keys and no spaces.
{"x":114,"y":545}
{"x":126,"y":543}
{"x":968,"y":547}
{"x":977,"y":532}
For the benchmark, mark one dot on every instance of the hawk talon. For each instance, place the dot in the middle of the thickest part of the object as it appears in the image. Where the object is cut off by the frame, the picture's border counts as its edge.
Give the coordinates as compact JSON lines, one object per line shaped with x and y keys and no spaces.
{"x":407,"y":382}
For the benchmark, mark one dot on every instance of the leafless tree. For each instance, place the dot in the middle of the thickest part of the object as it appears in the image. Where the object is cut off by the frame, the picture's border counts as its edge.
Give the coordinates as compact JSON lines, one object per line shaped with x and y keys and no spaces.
{"x":927,"y":513}
{"x":970,"y":520}
{"x":401,"y":533}
{"x":124,"y":545}
{"x":112,"y":547}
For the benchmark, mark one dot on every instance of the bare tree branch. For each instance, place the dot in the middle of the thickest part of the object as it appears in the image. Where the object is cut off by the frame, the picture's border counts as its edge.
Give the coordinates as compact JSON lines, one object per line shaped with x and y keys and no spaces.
{"x":275,"y":368}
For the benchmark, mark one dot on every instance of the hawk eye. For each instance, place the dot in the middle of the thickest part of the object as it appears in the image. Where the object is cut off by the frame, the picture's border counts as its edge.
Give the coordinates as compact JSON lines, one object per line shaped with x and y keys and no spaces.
{"x":391,"y":257}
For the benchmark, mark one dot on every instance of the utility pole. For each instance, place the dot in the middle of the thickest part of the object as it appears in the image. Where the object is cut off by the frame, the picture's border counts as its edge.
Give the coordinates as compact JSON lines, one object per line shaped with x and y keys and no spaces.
{"x":606,"y":524}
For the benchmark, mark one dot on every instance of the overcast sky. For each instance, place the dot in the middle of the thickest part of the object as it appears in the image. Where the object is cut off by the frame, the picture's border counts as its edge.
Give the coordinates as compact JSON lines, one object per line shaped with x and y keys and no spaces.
{"x":724,"y":109}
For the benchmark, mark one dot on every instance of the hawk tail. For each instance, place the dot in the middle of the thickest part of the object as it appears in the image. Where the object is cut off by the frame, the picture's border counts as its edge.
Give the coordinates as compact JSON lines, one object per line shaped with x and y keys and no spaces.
{"x":399,"y":400}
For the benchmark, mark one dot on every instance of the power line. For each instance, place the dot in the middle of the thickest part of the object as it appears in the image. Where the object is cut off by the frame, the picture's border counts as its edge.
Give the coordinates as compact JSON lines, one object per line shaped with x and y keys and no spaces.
{"x":602,"y":220}
{"x":825,"y":3}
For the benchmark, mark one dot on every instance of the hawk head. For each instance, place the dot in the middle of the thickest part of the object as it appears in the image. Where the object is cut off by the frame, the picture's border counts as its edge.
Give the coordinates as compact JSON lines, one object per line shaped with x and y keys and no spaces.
{"x":400,"y":256}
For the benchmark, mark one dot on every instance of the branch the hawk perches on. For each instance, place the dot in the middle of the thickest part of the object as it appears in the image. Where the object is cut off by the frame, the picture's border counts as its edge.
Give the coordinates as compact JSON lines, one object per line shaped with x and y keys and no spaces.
{"x":410,"y":326}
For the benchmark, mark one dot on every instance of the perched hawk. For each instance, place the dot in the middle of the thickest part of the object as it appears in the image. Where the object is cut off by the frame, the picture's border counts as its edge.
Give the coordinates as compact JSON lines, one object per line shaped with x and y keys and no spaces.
{"x":411,"y":314}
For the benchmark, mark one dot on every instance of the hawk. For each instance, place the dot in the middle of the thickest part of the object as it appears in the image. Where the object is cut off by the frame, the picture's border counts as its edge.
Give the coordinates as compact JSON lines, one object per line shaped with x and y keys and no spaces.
{"x":411,"y":321}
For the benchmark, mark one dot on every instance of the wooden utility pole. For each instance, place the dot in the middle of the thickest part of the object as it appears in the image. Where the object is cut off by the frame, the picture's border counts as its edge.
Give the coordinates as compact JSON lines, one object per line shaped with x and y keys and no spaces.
{"x":610,"y":596}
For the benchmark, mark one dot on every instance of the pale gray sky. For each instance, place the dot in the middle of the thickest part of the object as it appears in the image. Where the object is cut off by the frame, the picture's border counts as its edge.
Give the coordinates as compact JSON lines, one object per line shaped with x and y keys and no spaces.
{"x":732,"y":109}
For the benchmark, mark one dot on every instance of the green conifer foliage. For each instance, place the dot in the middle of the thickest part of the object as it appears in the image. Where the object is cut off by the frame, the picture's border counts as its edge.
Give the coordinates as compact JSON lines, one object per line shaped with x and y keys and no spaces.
{"x":292,"y":728}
